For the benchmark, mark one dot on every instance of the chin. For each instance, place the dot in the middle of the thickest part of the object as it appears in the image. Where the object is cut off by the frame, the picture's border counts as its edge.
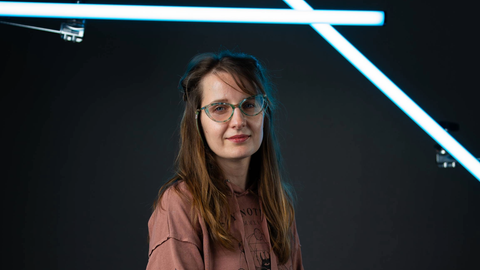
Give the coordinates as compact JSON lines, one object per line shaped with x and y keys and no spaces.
{"x":242,"y":153}
{"x":239,"y":155}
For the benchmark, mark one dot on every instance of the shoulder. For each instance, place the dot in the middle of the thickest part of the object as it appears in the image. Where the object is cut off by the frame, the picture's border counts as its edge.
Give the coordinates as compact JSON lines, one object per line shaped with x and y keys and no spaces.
{"x":173,"y":217}
{"x":175,"y":203}
{"x":175,"y":200}
{"x":176,"y":194}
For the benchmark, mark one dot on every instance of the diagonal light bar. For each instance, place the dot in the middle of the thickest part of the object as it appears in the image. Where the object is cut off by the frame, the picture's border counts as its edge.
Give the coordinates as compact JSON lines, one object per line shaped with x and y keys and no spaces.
{"x":190,"y":14}
{"x":394,"y":93}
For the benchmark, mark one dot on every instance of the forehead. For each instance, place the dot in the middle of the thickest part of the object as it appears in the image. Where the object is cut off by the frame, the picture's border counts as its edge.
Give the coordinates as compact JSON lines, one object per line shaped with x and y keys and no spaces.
{"x":221,"y":86}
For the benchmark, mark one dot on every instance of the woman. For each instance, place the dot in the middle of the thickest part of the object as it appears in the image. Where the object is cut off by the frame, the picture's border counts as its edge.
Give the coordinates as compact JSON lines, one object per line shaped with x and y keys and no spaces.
{"x":227,"y":206}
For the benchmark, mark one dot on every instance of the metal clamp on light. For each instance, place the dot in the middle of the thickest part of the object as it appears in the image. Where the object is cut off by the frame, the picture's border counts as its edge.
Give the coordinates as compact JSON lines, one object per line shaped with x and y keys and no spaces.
{"x":71,"y":30}
{"x":443,"y":158}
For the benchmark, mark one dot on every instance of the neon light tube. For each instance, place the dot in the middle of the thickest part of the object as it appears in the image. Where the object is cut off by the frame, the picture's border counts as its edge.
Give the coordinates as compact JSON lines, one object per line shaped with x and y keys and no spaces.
{"x":190,"y":14}
{"x":394,"y":93}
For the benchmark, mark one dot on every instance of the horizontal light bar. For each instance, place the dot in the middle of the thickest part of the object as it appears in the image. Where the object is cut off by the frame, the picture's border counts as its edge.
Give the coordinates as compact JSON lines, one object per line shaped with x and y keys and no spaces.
{"x":190,"y":14}
{"x":394,"y":93}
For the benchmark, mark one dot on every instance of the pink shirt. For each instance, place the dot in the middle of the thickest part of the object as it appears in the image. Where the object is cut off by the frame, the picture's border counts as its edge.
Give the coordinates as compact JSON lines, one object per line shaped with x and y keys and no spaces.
{"x":175,"y":244}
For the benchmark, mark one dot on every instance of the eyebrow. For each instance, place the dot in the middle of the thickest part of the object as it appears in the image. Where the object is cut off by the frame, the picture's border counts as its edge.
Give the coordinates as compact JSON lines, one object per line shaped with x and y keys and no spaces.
{"x":223,"y":100}
{"x":219,"y":100}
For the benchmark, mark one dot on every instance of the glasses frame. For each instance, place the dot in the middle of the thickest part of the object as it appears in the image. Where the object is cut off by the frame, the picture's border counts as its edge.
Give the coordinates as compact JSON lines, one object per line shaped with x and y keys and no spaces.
{"x":207,"y":112}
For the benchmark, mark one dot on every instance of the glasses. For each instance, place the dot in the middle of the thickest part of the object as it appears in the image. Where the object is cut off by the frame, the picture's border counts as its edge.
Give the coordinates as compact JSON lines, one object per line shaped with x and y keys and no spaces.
{"x":222,"y":112}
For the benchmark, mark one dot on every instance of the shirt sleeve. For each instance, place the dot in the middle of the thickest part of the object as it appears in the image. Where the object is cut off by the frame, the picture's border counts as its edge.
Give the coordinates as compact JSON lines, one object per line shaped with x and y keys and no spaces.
{"x":174,"y":254}
{"x":174,"y":242}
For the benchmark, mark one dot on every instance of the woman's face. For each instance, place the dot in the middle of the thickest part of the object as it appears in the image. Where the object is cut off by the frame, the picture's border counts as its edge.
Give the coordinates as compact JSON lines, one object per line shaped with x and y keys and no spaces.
{"x":219,"y":136}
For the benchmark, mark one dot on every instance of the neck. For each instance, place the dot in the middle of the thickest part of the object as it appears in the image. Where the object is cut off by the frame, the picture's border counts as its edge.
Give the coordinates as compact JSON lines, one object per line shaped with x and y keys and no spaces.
{"x":236,"y":171}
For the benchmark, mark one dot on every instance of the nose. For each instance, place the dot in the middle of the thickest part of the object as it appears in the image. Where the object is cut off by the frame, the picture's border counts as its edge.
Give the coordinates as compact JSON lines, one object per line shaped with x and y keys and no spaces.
{"x":238,"y":119}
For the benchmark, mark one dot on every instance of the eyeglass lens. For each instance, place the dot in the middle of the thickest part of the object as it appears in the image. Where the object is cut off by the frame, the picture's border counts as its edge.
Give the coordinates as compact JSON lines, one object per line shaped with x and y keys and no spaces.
{"x":223,"y":111}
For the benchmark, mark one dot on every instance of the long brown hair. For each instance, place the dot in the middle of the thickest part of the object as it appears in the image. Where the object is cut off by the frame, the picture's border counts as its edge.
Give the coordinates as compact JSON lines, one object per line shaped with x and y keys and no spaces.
{"x":196,"y":165}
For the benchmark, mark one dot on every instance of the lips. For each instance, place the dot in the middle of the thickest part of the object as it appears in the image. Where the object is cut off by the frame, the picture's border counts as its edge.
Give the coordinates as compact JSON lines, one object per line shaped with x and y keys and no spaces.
{"x":238,"y":138}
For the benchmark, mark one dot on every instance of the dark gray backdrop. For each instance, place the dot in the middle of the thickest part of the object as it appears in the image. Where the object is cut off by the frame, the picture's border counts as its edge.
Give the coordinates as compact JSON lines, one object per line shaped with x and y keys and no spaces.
{"x":89,"y":134}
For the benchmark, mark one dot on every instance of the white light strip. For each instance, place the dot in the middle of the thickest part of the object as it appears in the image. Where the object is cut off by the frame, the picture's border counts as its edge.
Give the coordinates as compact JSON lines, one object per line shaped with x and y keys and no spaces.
{"x":394,"y":93}
{"x":190,"y":14}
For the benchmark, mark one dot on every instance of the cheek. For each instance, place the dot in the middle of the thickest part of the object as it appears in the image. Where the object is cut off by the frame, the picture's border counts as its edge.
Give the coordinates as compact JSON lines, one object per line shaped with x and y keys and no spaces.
{"x":206,"y":127}
{"x":212,"y":130}
{"x":202,"y":123}
{"x":257,"y":127}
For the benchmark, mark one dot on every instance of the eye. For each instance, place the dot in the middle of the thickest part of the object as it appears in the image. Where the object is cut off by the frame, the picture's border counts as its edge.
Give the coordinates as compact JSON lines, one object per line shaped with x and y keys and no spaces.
{"x":249,"y":105}
{"x":219,"y":109}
